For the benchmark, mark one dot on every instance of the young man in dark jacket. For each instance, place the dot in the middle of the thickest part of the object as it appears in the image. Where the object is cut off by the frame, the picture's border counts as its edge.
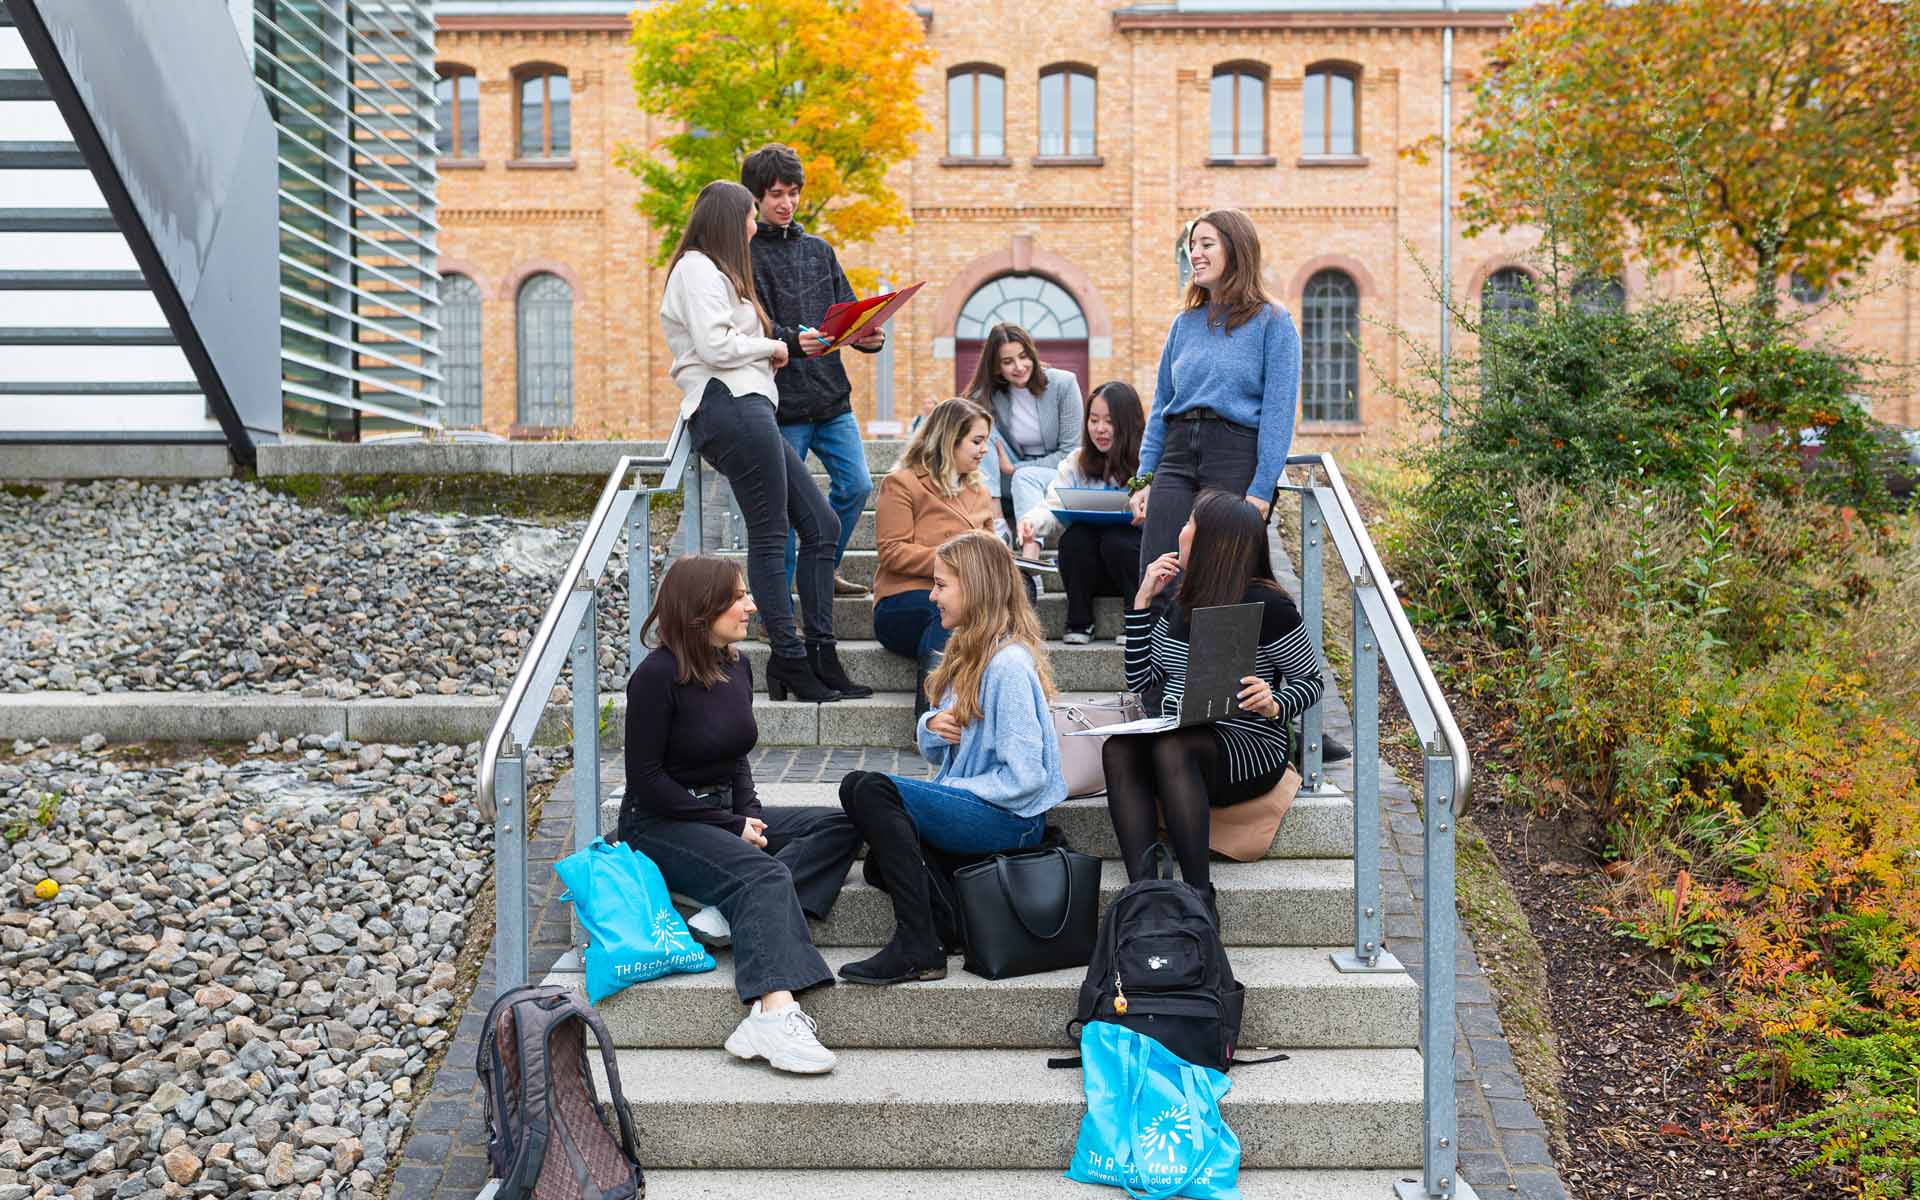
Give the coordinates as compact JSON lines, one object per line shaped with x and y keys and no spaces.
{"x":798,"y":278}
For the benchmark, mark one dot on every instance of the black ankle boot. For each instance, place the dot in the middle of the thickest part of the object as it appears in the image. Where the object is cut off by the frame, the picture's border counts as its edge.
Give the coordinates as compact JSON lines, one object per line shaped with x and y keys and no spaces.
{"x":824,"y":657}
{"x":893,"y":851}
{"x":796,"y":675}
{"x":895,"y":964}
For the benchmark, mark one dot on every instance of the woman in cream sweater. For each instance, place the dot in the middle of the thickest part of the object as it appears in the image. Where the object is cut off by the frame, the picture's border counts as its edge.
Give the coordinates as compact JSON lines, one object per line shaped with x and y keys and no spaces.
{"x":934,"y":494}
{"x":724,"y":362}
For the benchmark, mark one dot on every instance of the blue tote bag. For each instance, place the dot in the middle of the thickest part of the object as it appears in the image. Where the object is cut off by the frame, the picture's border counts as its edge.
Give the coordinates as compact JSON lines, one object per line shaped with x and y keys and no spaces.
{"x":634,"y":933}
{"x":1153,"y":1124}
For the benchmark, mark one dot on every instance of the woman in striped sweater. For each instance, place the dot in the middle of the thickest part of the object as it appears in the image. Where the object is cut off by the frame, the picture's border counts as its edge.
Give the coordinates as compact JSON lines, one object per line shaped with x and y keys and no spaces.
{"x":1174,"y":778}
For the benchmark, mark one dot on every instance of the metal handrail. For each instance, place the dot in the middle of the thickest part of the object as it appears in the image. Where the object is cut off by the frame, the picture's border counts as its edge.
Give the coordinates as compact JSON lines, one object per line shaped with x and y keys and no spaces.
{"x":1419,"y":690}
{"x":673,"y":462}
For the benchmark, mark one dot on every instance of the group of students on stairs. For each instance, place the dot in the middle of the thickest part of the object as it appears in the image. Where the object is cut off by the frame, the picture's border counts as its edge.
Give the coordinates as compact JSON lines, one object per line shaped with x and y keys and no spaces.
{"x":947,"y":593}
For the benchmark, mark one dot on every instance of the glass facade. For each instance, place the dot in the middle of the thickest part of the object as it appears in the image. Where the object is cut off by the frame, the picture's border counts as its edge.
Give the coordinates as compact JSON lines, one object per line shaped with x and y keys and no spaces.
{"x":351,"y":87}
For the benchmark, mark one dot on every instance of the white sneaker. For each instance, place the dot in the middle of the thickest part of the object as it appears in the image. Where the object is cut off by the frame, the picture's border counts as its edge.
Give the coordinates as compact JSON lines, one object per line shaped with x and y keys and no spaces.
{"x":787,"y":1039}
{"x":711,"y":927}
{"x":1078,"y":637}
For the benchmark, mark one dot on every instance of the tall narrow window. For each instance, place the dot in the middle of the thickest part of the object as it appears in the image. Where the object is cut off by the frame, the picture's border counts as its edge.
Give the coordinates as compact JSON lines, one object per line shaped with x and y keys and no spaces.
{"x":976,"y":113}
{"x":1330,"y":112}
{"x":546,"y":352}
{"x":1508,"y":296}
{"x":546,"y":113}
{"x":456,"y":95}
{"x":1067,"y":112}
{"x":1237,"y":115}
{"x":1330,"y":348}
{"x":460,"y":351}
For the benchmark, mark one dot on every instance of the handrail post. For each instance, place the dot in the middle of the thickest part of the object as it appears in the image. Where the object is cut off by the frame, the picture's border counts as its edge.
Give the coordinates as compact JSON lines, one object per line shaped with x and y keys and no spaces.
{"x":510,"y":871}
{"x":1369,"y":941}
{"x":1440,"y":1151}
{"x":639,"y":574}
{"x":585,"y":655}
{"x":1313,"y":537}
{"x":692,"y":504}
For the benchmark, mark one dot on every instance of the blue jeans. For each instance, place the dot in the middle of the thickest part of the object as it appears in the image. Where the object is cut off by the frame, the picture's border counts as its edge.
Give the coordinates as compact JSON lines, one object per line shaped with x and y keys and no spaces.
{"x":959,"y":822}
{"x":1026,"y":487}
{"x":836,"y":443}
{"x":908,"y":624}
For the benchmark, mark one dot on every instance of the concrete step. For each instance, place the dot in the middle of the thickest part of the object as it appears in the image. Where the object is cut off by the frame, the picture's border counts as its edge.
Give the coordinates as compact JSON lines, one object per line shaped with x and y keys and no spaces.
{"x":1049,"y":1184}
{"x":1295,"y":997}
{"x":1275,"y":902}
{"x":853,"y":618}
{"x":72,"y":281}
{"x":1317,"y":826}
{"x":861,"y":565}
{"x":927,"y":1109}
{"x":57,"y":220}
{"x":1088,"y":668}
{"x":41,"y":156}
{"x":111,"y":335}
{"x":23,"y":83}
{"x":111,"y":387}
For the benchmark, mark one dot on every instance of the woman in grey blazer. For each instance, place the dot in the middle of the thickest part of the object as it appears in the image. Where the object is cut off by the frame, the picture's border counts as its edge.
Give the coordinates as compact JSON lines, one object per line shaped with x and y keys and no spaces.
{"x":1036,"y":415}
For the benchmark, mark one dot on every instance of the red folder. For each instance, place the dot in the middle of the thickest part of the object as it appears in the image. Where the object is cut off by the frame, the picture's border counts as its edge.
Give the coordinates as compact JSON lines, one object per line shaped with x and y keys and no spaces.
{"x":852,"y":320}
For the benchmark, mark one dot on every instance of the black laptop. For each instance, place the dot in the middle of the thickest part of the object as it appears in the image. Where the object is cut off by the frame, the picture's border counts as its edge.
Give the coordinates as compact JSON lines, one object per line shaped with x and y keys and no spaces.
{"x":1221,"y":645}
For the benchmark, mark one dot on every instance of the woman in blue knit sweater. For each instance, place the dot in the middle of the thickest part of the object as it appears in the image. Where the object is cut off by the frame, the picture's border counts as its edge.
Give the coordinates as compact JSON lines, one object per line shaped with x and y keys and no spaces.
{"x":1229,"y":383}
{"x":990,"y":736}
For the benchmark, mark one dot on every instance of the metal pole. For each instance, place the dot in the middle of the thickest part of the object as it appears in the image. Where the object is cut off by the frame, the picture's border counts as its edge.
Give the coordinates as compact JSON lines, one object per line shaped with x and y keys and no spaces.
{"x":1369,"y":941}
{"x":1313,"y":536}
{"x":585,"y":654}
{"x":1439,"y":1115}
{"x":639,"y":575}
{"x":883,"y":372}
{"x":510,"y":871}
{"x":692,"y":505}
{"x":1446,"y":219}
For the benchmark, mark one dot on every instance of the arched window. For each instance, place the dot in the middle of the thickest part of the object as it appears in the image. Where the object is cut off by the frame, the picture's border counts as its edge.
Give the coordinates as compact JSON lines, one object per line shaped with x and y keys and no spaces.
{"x":1599,"y":294}
{"x":1067,"y":112}
{"x":1804,"y":290}
{"x":976,"y":112}
{"x":460,"y":351}
{"x":546,"y":112}
{"x":1237,"y":116}
{"x":1507,"y":296}
{"x":456,"y":96}
{"x":1035,"y":303}
{"x":1330,"y":348}
{"x":545,"y":312}
{"x":1330,"y":110}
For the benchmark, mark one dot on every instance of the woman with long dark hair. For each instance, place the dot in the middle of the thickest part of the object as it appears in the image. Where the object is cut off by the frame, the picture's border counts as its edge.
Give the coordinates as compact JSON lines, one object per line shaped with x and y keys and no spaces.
{"x":1174,"y":778}
{"x":1229,"y":383}
{"x":1036,"y":415}
{"x":991,"y":738}
{"x":691,"y":807}
{"x":1095,"y":559}
{"x":724,"y":360}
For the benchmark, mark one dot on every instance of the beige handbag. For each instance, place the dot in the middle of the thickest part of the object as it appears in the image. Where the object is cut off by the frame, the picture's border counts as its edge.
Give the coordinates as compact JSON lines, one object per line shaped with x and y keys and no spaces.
{"x":1244,"y":832}
{"x":1080,"y":760}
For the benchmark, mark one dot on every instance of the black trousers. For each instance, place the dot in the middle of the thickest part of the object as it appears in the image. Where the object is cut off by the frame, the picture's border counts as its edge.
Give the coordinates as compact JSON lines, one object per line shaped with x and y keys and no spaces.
{"x":1098,"y":560}
{"x":738,"y":435}
{"x":1197,"y":455}
{"x":765,"y":895}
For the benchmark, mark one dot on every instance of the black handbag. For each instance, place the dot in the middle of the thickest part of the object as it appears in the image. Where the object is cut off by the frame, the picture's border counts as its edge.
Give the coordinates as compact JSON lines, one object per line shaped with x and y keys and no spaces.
{"x":1021,"y":914}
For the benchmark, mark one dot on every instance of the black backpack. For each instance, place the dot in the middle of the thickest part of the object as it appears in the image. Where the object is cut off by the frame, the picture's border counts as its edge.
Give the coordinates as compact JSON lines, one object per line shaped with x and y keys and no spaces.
{"x":1159,"y":968}
{"x":540,"y":1098}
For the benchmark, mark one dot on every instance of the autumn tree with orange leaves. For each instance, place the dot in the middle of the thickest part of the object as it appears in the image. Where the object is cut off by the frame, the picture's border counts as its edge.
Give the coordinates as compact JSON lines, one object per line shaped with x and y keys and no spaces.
{"x":834,"y":79}
{"x":1781,"y":133}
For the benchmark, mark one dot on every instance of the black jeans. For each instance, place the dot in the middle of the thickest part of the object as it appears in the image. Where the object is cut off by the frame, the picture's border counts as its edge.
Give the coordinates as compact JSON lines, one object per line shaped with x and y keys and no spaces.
{"x":737,"y":434}
{"x":1098,"y":560}
{"x":765,"y":895}
{"x":1197,"y":454}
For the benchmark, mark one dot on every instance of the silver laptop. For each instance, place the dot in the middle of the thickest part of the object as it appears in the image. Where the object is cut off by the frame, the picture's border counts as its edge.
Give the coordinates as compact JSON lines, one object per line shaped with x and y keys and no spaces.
{"x":1094,"y":499}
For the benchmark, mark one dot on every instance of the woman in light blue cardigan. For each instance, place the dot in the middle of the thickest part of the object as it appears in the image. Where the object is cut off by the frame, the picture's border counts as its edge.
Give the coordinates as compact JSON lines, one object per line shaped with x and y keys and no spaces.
{"x":990,"y":737}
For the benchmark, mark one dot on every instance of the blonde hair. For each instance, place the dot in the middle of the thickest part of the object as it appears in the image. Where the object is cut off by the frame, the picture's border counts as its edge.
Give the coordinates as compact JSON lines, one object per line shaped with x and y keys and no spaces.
{"x":935,"y":440}
{"x":998,"y":615}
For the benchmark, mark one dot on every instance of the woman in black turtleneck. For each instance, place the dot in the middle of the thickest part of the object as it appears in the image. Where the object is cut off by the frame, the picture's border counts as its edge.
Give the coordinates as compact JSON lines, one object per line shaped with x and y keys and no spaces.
{"x":690,"y":806}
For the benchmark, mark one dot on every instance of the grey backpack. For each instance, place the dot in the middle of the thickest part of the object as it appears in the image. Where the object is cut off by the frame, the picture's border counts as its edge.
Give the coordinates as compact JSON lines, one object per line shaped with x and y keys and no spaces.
{"x":547,"y":1135}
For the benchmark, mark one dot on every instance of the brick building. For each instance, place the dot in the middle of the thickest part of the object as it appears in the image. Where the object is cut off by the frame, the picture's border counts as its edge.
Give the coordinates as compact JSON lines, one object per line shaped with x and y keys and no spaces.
{"x":1067,"y":146}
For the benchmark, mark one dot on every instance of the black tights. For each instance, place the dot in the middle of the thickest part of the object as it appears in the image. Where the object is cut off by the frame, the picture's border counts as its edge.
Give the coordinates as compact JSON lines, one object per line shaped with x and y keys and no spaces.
{"x":1178,"y":769}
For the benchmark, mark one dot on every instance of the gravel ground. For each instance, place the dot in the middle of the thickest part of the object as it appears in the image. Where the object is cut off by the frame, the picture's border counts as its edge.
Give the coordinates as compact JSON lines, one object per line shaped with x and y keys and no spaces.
{"x":245,"y":968}
{"x":228,"y":586}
